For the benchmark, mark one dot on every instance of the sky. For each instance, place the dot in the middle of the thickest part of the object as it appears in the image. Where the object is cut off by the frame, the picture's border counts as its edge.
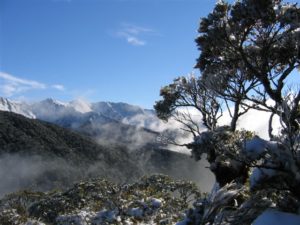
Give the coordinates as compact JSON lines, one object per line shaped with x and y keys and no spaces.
{"x":98,"y":50}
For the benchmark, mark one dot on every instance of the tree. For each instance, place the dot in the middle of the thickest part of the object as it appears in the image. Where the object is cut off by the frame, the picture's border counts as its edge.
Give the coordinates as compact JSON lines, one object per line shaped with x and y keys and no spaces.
{"x":230,"y":85}
{"x":257,"y":41}
{"x":248,"y":51}
{"x":191,"y":92}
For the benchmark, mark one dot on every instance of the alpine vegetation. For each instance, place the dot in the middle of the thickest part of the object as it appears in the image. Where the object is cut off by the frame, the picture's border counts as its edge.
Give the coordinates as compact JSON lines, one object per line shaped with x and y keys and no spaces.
{"x":155,"y":199}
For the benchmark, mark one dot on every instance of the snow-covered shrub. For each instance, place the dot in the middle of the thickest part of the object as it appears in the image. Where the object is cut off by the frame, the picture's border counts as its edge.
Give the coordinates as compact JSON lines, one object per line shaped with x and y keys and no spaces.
{"x":222,"y":148}
{"x":157,"y":199}
{"x":252,"y":174}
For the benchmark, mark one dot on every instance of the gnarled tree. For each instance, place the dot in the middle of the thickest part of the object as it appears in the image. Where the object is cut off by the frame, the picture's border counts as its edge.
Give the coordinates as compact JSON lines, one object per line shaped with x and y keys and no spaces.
{"x":249,"y":49}
{"x":189,"y":92}
{"x":256,"y":40}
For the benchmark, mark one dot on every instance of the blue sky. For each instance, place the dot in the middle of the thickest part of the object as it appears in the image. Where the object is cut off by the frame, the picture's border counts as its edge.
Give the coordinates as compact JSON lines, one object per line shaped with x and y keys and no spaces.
{"x":98,"y":50}
{"x":112,"y":50}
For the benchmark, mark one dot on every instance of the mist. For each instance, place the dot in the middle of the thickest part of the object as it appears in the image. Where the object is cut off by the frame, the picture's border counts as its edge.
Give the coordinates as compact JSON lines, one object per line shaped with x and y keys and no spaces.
{"x":133,"y":137}
{"x":34,"y":172}
{"x":18,"y":172}
{"x":145,"y":152}
{"x":40,"y":174}
{"x":152,"y":155}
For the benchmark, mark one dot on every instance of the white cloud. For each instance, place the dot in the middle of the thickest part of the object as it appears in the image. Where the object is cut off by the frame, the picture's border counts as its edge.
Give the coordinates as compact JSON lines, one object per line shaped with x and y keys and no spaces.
{"x":135,"y":30}
{"x":134,"y":35}
{"x":255,"y":121}
{"x":135,"y":41}
{"x":58,"y":87}
{"x":15,"y":80}
{"x":11,"y":85}
{"x":8,"y":90}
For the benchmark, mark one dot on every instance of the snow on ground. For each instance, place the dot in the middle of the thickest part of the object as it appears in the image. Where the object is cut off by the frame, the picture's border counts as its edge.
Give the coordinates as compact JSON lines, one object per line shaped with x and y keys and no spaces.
{"x":272,"y":217}
{"x":34,"y":222}
{"x":156,"y":203}
{"x":261,"y":174}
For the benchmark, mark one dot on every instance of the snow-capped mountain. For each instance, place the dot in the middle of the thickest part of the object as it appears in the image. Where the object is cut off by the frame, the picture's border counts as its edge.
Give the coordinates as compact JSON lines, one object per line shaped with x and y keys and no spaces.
{"x":52,"y":110}
{"x":128,"y":114}
{"x":101,"y":120}
{"x":117,"y":111}
{"x":16,"y":107}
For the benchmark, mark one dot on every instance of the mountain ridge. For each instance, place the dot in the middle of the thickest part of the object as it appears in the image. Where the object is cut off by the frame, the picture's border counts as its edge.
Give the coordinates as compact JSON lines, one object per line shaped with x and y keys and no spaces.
{"x":121,"y":109}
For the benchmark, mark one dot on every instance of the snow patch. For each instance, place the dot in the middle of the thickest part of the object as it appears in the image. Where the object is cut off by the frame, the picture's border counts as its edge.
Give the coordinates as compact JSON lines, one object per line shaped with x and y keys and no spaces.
{"x":156,"y":203}
{"x":272,"y":217}
{"x":260,"y":174}
{"x":136,"y":212}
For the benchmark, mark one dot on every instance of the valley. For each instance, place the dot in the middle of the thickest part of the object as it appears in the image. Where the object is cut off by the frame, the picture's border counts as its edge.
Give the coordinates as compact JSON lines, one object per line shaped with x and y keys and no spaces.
{"x":43,"y":151}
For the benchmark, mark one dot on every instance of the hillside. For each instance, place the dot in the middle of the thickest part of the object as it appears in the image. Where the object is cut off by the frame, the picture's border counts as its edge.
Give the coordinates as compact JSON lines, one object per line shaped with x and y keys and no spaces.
{"x":44,"y":156}
{"x":40,"y":155}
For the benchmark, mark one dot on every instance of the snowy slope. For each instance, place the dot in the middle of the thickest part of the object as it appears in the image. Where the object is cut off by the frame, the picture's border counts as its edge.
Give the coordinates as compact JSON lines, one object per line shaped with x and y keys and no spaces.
{"x":16,"y":107}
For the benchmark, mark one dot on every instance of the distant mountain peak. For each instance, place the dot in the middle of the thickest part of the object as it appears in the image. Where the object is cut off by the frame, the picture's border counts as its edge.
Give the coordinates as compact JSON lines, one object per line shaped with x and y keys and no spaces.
{"x":54,"y":101}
